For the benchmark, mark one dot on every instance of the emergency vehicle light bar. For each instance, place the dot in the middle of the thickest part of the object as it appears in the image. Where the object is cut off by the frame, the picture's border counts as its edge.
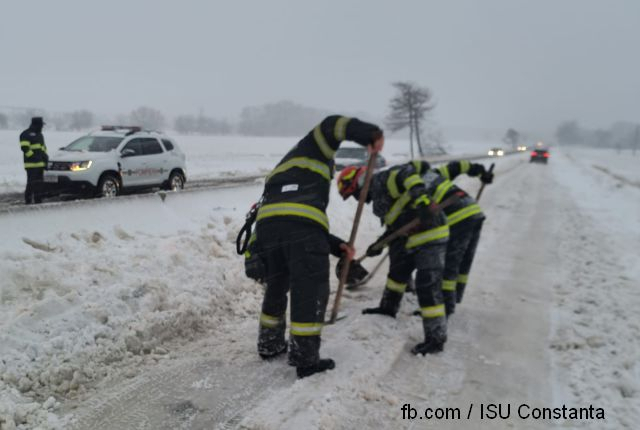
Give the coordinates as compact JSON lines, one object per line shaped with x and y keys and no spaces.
{"x":131,"y":128}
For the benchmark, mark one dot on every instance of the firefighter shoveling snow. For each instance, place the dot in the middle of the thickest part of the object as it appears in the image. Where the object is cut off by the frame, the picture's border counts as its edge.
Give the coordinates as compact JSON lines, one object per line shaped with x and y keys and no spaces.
{"x":136,"y":313}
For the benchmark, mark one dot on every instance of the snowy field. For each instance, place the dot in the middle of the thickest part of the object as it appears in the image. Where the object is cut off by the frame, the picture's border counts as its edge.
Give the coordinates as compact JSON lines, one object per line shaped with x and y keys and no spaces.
{"x":207,"y":156}
{"x":135,"y":313}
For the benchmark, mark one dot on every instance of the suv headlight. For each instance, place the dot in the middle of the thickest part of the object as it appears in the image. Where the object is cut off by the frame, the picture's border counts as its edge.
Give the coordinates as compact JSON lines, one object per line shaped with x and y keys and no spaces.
{"x":80,"y":165}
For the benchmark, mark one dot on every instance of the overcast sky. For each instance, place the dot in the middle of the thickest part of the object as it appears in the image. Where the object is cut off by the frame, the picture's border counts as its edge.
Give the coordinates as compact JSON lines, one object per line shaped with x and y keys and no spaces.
{"x":490,"y":63}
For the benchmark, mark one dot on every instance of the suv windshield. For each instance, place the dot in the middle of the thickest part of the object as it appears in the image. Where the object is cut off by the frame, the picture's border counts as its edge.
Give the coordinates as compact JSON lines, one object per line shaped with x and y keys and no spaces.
{"x":360,"y":153}
{"x":94,"y":144}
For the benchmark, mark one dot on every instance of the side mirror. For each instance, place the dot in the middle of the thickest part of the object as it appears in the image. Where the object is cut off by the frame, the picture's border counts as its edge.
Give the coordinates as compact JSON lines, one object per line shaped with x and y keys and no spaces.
{"x":127,"y":153}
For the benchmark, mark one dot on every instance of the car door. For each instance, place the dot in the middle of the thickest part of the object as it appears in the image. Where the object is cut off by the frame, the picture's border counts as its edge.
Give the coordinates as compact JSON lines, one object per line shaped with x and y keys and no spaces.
{"x":157,"y":163}
{"x":133,"y":164}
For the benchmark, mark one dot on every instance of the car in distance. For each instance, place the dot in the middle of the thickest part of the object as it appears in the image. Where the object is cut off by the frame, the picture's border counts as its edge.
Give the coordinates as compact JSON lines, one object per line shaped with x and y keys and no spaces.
{"x":355,"y":156}
{"x":539,"y":155}
{"x":521,"y":148}
{"x":496,"y":152}
{"x":116,"y":159}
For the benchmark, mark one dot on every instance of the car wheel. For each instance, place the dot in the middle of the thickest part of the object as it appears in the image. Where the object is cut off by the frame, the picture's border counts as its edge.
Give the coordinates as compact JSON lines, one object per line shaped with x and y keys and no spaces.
{"x":108,"y":186}
{"x":175,"y":182}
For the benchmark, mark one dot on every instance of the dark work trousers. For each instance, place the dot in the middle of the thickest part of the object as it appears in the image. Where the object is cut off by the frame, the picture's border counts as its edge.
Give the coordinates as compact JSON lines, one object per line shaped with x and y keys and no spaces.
{"x":428,"y":261}
{"x":459,"y":240}
{"x":33,"y":192}
{"x":467,"y":260}
{"x":297,"y":260}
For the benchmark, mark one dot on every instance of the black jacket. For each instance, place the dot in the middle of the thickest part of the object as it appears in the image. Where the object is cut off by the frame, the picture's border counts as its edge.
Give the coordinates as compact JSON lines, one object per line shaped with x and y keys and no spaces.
{"x":298,"y":187}
{"x":34,"y":150}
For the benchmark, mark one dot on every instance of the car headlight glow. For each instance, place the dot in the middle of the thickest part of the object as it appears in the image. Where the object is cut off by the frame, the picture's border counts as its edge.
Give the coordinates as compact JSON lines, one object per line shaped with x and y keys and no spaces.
{"x":491,"y":152}
{"x":80,"y":165}
{"x":500,"y":152}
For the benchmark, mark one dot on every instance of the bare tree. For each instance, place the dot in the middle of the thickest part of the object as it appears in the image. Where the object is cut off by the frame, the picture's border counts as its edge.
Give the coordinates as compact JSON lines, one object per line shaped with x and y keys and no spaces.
{"x":408,"y":108}
{"x":511,"y":138}
{"x":148,"y":118}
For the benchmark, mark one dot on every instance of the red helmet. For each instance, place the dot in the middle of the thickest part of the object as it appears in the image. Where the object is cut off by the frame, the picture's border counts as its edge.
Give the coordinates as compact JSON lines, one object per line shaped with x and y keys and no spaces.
{"x":350,"y":179}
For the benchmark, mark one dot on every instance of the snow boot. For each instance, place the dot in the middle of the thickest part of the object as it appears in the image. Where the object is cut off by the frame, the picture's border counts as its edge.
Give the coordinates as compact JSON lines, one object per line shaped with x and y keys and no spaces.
{"x":435,"y":335}
{"x":428,"y":347}
{"x":271,"y":354}
{"x":322,"y":365}
{"x":379,"y":310}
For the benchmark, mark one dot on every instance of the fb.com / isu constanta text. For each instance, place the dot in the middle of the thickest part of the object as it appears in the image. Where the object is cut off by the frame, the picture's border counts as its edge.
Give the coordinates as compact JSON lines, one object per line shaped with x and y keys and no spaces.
{"x":502,"y":411}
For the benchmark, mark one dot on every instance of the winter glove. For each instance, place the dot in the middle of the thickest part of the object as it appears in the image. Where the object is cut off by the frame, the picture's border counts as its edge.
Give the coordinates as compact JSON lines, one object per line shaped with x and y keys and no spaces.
{"x":380,"y":311}
{"x":425,"y":211}
{"x":486,"y":177}
{"x":372,"y":251}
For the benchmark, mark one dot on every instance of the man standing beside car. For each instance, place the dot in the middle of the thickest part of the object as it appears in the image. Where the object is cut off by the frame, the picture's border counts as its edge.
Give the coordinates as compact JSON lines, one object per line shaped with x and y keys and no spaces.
{"x":35,"y":159}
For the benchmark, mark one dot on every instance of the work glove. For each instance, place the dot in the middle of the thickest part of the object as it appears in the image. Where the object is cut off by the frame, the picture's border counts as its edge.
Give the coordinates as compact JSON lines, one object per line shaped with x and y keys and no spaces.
{"x":486,"y":177}
{"x":380,"y":311}
{"x":426,"y":210}
{"x":372,"y":252}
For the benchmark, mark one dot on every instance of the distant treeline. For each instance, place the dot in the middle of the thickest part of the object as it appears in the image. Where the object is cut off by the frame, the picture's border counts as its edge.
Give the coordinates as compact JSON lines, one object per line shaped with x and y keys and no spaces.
{"x":619,"y":135}
{"x":283,"y":118}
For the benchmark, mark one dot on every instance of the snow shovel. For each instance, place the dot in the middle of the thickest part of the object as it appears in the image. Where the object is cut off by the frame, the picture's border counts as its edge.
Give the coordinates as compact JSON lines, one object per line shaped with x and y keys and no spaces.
{"x":354,"y":231}
{"x":483,"y":184}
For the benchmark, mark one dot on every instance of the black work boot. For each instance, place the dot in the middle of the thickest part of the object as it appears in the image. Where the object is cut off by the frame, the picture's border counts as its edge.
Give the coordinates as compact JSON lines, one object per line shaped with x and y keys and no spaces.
{"x":435,"y":335}
{"x":322,"y":365}
{"x":272,"y":353}
{"x":430,"y":346}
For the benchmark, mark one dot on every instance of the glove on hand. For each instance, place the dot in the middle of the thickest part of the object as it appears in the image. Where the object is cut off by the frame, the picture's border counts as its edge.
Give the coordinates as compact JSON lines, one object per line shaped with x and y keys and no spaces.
{"x":486,"y":177}
{"x":372,"y":252}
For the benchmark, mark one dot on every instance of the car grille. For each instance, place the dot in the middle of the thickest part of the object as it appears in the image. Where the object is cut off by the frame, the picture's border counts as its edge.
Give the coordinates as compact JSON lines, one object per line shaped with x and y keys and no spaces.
{"x":59,"y":165}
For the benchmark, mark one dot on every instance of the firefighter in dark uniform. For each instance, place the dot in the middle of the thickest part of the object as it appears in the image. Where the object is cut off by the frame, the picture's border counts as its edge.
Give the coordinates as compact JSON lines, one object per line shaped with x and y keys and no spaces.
{"x":399,"y":195}
{"x":35,"y":160}
{"x":293,"y":231}
{"x":464,"y":218}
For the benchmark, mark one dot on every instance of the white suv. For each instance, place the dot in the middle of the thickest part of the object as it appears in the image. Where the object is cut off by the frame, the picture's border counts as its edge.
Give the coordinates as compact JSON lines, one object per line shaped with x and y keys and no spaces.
{"x":114,"y":159}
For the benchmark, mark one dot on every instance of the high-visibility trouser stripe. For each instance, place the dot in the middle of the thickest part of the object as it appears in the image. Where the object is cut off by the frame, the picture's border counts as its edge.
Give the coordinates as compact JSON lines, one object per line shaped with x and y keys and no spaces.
{"x":463,"y":214}
{"x":391,"y":184}
{"x":397,"y":287}
{"x":464,"y":166}
{"x":340,"y":130}
{"x":412,"y":181}
{"x":428,"y":236}
{"x":432,"y":311}
{"x":441,"y":190}
{"x":444,"y":171}
{"x":322,"y":143}
{"x":396,"y":209}
{"x":462,"y":279}
{"x":306,"y":329}
{"x":34,"y":165}
{"x":269,"y":321}
{"x":294,"y":209}
{"x":25,"y":143}
{"x":303,"y":163}
{"x":37,"y":146}
{"x":448,"y":285}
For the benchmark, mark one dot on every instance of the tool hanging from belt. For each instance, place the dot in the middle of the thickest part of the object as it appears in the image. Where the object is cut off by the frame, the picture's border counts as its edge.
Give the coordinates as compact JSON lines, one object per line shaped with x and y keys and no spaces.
{"x":244,"y":236}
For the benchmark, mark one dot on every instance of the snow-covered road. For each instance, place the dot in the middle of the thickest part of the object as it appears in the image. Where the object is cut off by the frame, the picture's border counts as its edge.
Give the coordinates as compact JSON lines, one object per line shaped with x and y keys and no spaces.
{"x":136,"y":314}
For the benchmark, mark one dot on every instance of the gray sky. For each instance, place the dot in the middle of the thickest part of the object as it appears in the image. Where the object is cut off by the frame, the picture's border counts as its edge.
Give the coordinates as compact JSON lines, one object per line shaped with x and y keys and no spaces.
{"x":490,"y":63}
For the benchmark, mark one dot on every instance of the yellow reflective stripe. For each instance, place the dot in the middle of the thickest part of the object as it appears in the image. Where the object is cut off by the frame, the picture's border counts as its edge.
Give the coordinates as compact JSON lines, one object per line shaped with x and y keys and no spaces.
{"x":398,"y":287}
{"x":269,"y":321}
{"x":34,"y":165}
{"x":396,"y":209}
{"x":29,"y":153}
{"x":424,"y":199}
{"x":340,"y":130}
{"x":303,"y":163}
{"x":448,"y":285}
{"x":391,"y":185}
{"x":444,"y":171}
{"x":462,"y":279}
{"x":294,"y":209}
{"x":428,"y":236}
{"x":322,"y":143}
{"x":432,"y":311}
{"x":306,"y":329}
{"x":441,"y":190}
{"x":464,"y":166}
{"x":463,"y":214}
{"x":37,"y":146}
{"x":412,"y":181}
{"x":25,"y":143}
{"x":417,"y":164}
